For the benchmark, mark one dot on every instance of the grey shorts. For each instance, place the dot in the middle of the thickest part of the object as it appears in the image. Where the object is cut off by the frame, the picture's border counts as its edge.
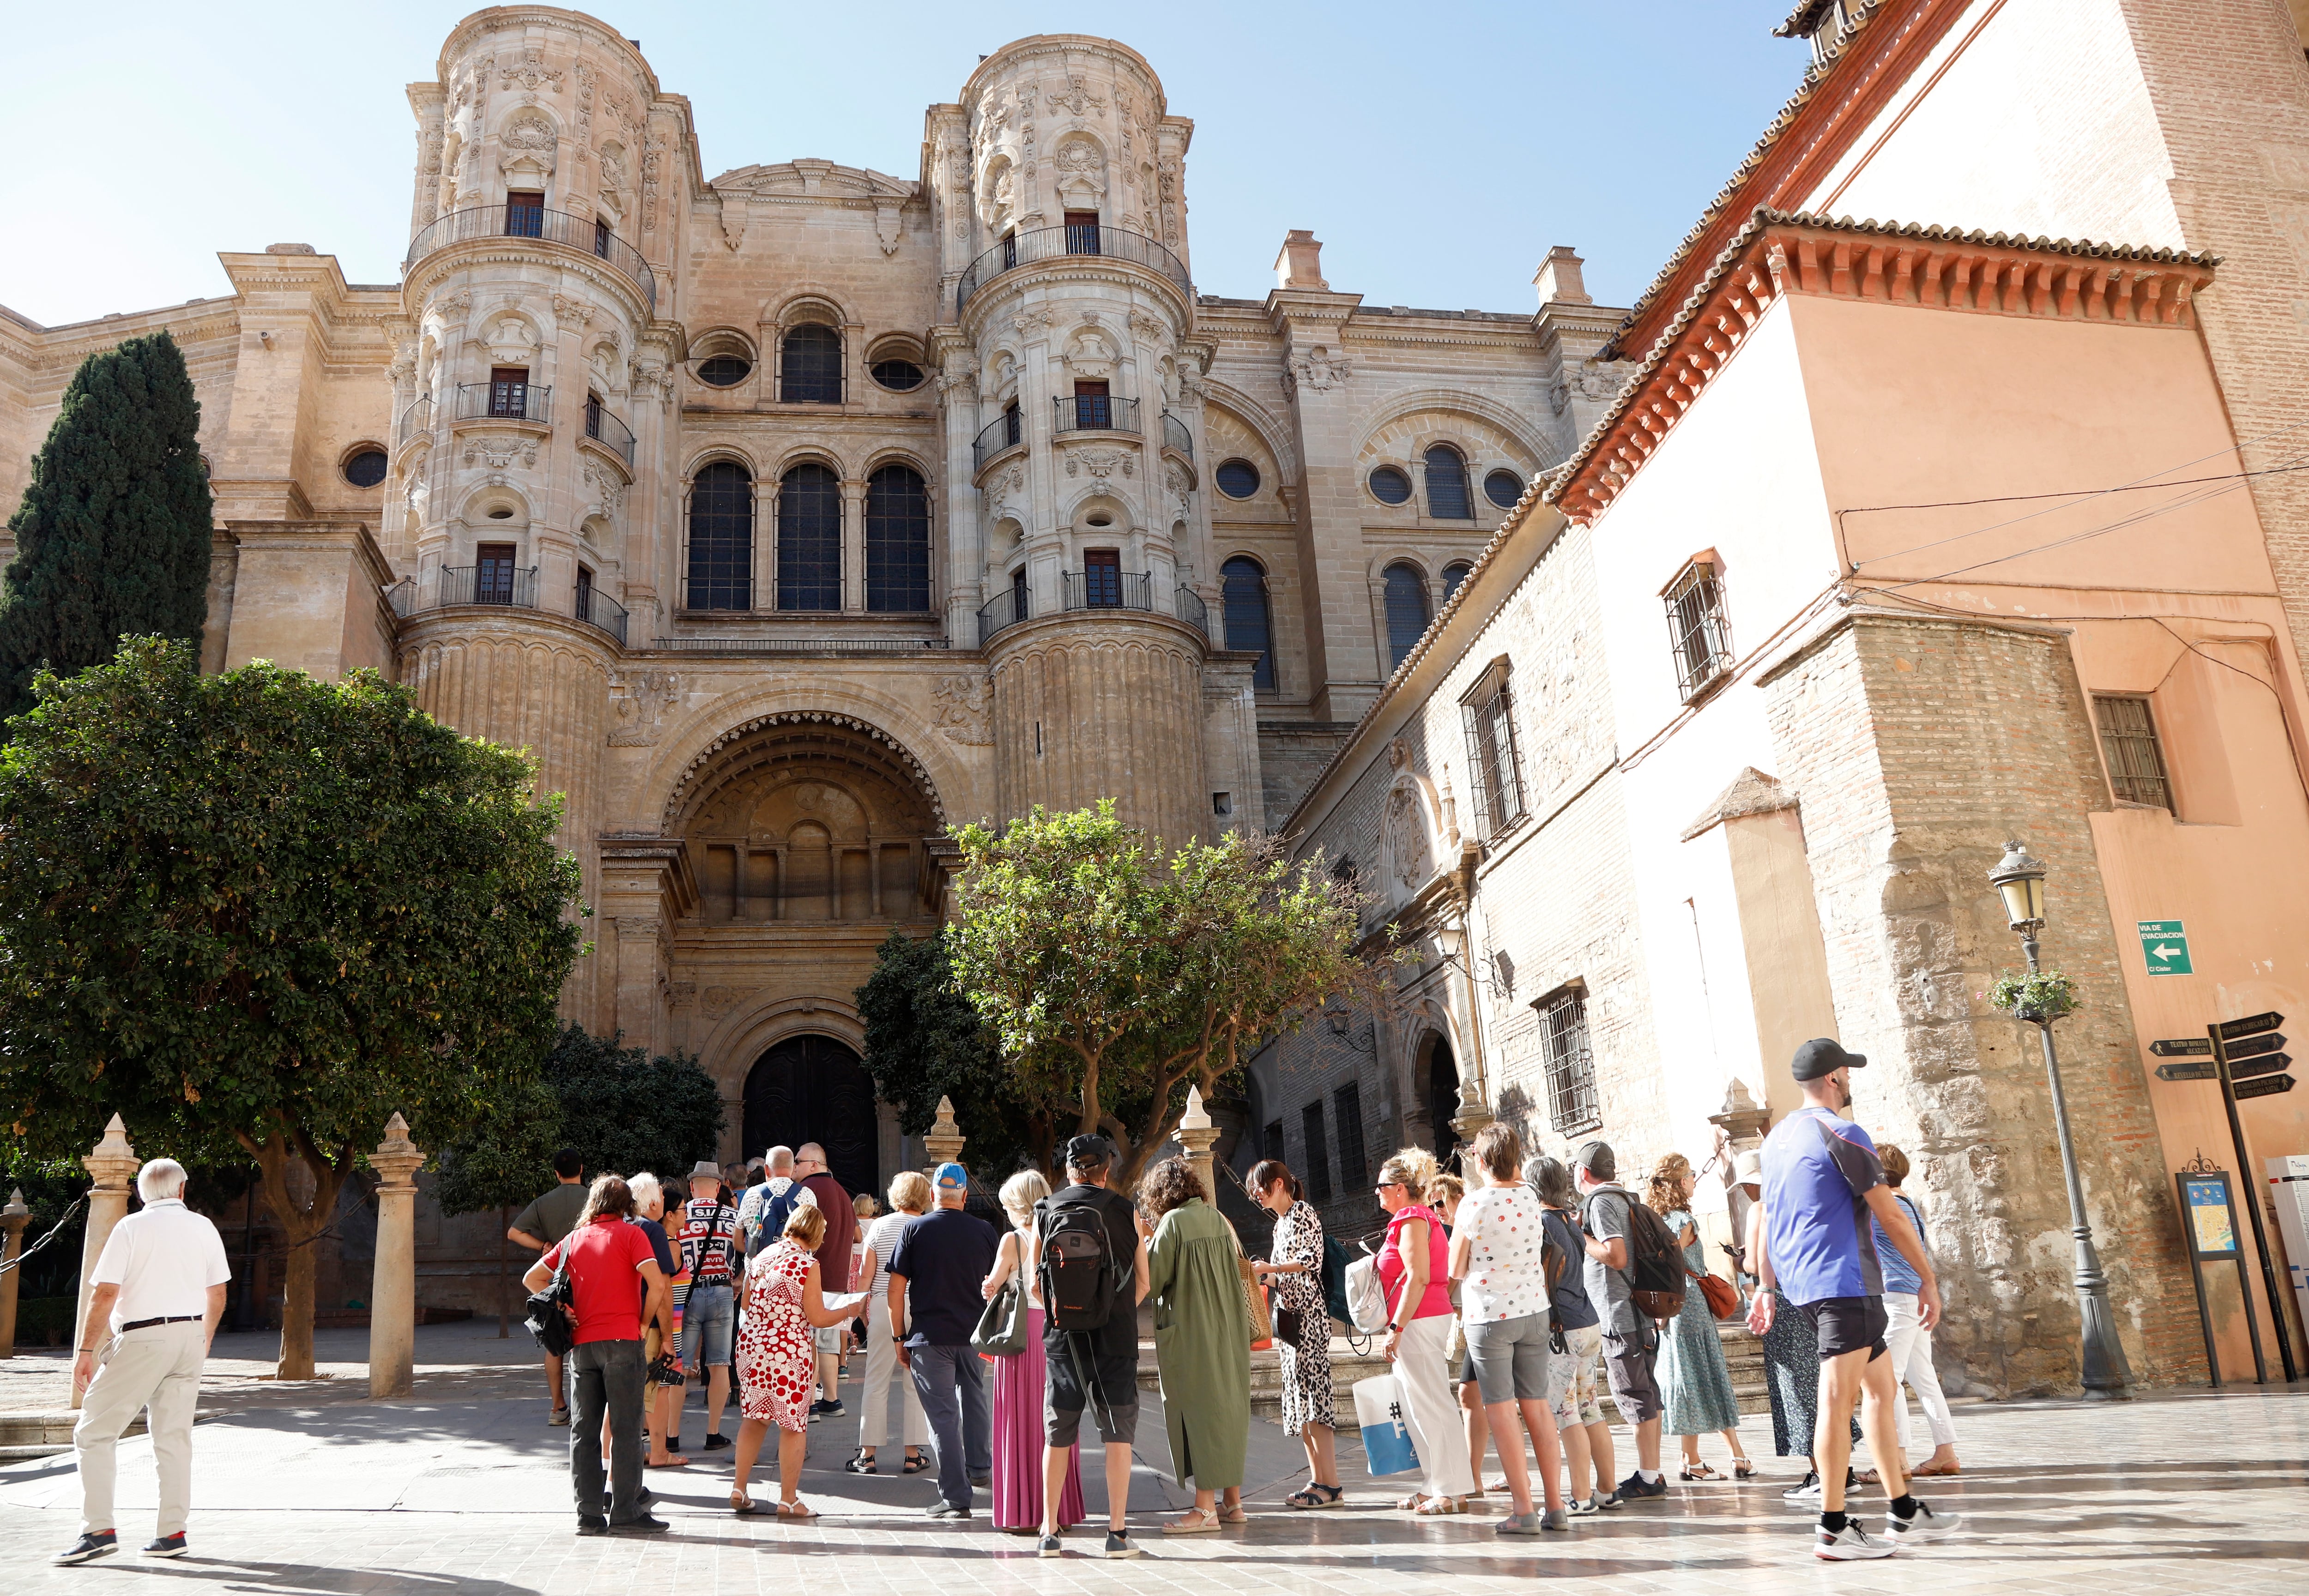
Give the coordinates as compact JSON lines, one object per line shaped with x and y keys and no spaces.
{"x":1062,"y":1427}
{"x":1507,"y":1358}
{"x":829,"y":1338}
{"x":1629,"y":1362}
{"x":705,"y":1324}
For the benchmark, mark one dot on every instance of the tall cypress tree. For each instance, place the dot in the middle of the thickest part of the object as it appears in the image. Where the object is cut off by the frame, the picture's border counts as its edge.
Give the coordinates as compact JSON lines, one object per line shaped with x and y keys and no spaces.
{"x":113,"y":536}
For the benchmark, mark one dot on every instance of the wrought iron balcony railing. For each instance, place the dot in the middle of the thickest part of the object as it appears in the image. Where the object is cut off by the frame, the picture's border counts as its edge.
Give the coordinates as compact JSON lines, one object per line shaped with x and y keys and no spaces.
{"x":493,"y":583}
{"x":606,"y":429}
{"x":1096,"y":413}
{"x":1006,"y":609}
{"x":1008,"y":428}
{"x":503,"y":402}
{"x":1104,"y":587}
{"x":1050,"y":243}
{"x":415,"y":421}
{"x":1192,"y":610}
{"x":517,"y":221}
{"x":597,"y":608}
{"x":1175,"y":436}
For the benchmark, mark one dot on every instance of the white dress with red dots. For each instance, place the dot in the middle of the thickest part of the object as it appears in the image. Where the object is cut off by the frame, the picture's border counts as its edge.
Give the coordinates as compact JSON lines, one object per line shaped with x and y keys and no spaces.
{"x":777,"y":1369}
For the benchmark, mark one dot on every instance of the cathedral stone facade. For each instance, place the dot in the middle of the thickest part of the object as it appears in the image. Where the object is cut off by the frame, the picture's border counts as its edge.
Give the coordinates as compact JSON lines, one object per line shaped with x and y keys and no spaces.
{"x":793,"y":517}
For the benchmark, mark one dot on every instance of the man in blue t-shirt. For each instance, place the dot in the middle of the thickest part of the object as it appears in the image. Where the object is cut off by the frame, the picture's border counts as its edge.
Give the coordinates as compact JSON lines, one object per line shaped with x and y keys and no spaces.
{"x":1811,"y":1237}
{"x":945,"y":1256}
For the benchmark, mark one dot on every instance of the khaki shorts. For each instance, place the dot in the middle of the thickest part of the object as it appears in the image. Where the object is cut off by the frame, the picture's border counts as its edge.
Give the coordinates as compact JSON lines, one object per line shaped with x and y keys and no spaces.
{"x":1572,"y":1378}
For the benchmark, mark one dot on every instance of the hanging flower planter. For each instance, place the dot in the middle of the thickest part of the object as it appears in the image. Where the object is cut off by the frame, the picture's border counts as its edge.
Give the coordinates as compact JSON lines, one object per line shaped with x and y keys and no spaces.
{"x":2040,"y":997}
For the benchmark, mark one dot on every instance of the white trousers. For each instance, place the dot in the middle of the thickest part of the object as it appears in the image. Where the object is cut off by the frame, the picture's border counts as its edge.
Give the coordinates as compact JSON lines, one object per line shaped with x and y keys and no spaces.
{"x":158,"y":1366}
{"x":1909,"y":1345}
{"x":1431,"y":1413}
{"x":881,"y":1364}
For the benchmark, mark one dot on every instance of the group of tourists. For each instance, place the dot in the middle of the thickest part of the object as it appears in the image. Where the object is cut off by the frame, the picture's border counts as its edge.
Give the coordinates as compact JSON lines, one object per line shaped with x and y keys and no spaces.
{"x":1507,"y":1309}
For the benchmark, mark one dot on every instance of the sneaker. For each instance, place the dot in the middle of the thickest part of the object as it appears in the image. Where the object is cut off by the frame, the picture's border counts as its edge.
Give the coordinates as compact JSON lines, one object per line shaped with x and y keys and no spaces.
{"x":102,"y":1544}
{"x":673,"y":1446}
{"x":1849,"y":1544}
{"x":833,"y":1409}
{"x":592,"y":1524}
{"x":1555,"y":1518}
{"x":715,"y":1441}
{"x":641,"y":1523}
{"x":1519,"y":1523}
{"x":1595,"y":1502}
{"x":1118,"y":1544}
{"x":559,"y":1418}
{"x":1928,"y":1526}
{"x":1607,"y":1501}
{"x":1803,"y":1493}
{"x":173,"y":1546}
{"x":1636,"y":1487}
{"x":1049,"y":1546}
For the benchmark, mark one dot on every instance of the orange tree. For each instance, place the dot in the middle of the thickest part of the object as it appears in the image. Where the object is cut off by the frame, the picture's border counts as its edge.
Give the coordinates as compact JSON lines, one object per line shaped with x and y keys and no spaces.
{"x":255,"y":914}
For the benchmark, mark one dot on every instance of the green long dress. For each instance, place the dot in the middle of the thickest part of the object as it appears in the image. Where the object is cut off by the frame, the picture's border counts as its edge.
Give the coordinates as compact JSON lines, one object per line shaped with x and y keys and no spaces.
{"x":1202,"y":1345}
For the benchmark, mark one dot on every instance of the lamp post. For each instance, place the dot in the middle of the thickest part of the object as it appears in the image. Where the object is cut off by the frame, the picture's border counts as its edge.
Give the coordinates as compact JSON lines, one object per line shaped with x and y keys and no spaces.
{"x":2020,"y":880}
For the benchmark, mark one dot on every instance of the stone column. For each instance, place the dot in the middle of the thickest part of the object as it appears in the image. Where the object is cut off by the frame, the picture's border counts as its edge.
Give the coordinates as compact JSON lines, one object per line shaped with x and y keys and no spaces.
{"x":13,"y":1220}
{"x":1196,"y":1135}
{"x":112,"y":1165}
{"x":1474,"y":1113}
{"x":392,"y":1292}
{"x":943,"y":1141}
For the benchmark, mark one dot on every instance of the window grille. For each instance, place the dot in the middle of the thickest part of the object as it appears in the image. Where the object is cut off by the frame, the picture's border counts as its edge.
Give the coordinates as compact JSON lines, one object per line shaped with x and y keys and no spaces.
{"x":1570,"y":1066}
{"x":900,"y":377}
{"x":811,"y":367}
{"x":1317,"y":1170}
{"x":1242,"y":588}
{"x":1503,"y":488}
{"x":1389,"y":486}
{"x":724,"y":371}
{"x":897,"y":541}
{"x":1354,"y":1165}
{"x":1453,"y":574}
{"x":1406,"y":612}
{"x":493,"y":574}
{"x":2136,"y":760}
{"x":1697,"y":627}
{"x":1495,"y":772}
{"x":721,"y":538}
{"x":1237,"y":478}
{"x":1447,"y":484}
{"x":809,"y":540}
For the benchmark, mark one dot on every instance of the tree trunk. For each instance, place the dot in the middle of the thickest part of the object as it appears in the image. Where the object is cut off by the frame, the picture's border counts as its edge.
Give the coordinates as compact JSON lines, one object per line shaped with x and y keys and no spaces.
{"x":301,"y":1229}
{"x":504,"y":1304}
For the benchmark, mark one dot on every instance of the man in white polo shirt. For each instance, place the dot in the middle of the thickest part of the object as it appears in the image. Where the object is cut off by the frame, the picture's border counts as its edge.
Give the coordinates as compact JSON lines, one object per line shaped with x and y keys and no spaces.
{"x":159,"y":1290}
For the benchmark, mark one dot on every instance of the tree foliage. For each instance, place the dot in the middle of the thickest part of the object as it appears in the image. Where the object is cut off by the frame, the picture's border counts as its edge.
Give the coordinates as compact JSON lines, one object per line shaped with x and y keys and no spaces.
{"x":924,"y":1041}
{"x":1113,"y":979}
{"x":255,"y":914}
{"x":622,"y":1109}
{"x":114,"y":533}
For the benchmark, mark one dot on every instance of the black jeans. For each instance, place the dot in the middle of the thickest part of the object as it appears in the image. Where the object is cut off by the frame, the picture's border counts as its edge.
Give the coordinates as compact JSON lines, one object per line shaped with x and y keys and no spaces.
{"x":606,"y":1376}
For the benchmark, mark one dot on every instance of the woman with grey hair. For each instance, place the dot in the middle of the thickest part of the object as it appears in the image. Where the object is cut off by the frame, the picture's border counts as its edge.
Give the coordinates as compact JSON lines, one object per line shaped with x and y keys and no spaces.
{"x":657,"y":1405}
{"x":1579,"y":1420}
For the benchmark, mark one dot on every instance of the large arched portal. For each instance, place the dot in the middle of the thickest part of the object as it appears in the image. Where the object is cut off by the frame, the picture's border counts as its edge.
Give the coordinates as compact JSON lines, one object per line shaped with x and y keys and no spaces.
{"x":814,"y":1088}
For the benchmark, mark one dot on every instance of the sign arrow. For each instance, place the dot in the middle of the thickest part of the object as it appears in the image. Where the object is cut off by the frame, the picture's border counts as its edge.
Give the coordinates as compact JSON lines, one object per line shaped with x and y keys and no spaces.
{"x":2187,"y":1072}
{"x":2267,"y":1086}
{"x":2163,"y":952}
{"x":2187,"y":1047}
{"x":2269,"y":1043}
{"x":2260,"y":1066}
{"x":2250,"y":1025}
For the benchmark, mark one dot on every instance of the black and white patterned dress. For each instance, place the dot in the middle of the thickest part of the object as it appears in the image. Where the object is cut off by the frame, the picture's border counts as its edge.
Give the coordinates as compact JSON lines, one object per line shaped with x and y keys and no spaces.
{"x":1306,"y":1364}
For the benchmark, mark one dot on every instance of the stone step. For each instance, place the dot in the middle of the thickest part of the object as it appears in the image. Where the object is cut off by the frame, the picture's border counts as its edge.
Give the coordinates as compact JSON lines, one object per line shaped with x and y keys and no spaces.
{"x":51,"y":1431}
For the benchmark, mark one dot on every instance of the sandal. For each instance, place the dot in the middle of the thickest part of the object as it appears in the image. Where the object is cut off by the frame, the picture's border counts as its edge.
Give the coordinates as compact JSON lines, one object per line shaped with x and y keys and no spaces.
{"x":1412,"y":1502}
{"x":1196,"y":1523}
{"x":1930,"y":1472}
{"x":1697,"y":1472}
{"x":672,"y":1460}
{"x":860,"y":1463}
{"x":1744,"y":1468}
{"x":743,"y":1505}
{"x":1438,"y":1507}
{"x":1317,"y":1495}
{"x":1233,"y":1516}
{"x":915,"y":1464}
{"x":795,"y":1509}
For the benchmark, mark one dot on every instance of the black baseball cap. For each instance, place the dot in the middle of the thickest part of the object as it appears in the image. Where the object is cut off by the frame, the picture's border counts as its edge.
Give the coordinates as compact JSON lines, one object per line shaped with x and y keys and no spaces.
{"x":1596,"y":1158}
{"x":1821,"y":1056}
{"x":1089,"y":1152}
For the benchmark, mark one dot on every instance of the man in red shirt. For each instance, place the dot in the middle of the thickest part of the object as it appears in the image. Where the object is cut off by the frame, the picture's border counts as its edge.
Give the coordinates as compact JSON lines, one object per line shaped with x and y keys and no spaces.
{"x":614,"y":1285}
{"x":811,"y":1176}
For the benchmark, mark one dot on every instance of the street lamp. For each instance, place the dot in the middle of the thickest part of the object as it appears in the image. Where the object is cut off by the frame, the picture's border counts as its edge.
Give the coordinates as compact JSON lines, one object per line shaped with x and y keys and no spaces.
{"x":2020,"y":881}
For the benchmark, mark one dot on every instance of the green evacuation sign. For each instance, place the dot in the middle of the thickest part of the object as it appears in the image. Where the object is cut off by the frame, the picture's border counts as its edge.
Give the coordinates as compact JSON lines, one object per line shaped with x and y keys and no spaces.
{"x":2165,"y":946}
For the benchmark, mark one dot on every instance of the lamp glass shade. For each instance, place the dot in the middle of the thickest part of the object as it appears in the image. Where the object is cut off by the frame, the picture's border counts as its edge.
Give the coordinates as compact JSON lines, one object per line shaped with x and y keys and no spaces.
{"x":2024,"y":899}
{"x":1448,"y":938}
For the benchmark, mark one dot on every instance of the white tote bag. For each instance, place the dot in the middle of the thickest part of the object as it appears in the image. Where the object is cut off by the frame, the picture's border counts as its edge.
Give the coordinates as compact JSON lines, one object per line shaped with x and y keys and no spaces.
{"x":1366,"y":1296}
{"x":1378,"y":1411}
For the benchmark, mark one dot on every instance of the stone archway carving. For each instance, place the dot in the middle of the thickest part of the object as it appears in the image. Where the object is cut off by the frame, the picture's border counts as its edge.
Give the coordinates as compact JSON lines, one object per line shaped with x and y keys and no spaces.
{"x":683,"y":792}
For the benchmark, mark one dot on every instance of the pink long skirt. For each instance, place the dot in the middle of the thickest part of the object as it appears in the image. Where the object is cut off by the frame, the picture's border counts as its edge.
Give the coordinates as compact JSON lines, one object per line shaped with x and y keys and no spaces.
{"x":1018,"y":1441}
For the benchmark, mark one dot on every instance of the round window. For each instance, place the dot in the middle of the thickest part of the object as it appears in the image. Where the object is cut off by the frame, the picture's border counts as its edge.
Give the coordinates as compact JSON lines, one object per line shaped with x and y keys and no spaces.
{"x":1389,"y":486}
{"x":902,"y":376}
{"x":1503,"y":488}
{"x":1237,"y":478}
{"x":365,"y":468}
{"x":724,"y":371}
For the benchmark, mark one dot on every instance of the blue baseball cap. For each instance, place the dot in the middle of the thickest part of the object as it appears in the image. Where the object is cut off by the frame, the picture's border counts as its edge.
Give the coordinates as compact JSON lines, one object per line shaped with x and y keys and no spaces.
{"x":951,"y":1177}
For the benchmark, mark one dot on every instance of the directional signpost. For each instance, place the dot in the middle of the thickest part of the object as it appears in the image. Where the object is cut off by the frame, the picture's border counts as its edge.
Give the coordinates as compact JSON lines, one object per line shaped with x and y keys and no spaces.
{"x":2207,"y":1071}
{"x":2165,"y":946}
{"x":2187,"y":1047}
{"x":2256,"y":1038}
{"x":2267,"y":1086}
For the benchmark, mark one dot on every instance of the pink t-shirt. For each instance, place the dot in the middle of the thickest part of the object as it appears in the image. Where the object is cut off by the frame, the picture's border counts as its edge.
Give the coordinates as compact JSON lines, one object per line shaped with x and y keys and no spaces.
{"x":1391,"y":1266}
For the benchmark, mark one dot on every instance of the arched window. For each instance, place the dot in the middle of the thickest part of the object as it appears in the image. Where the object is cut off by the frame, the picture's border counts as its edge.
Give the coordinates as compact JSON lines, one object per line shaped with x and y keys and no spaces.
{"x":897,"y":541}
{"x":810,"y":369}
{"x":809,"y":540}
{"x":1243,"y":589}
{"x":1407,"y":611}
{"x":722,"y":539}
{"x":1453,"y":574}
{"x":1447,"y":484}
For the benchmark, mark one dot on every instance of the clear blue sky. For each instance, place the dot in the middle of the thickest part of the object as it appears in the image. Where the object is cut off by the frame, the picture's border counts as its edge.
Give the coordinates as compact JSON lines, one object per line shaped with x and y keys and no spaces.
{"x":1437,"y":148}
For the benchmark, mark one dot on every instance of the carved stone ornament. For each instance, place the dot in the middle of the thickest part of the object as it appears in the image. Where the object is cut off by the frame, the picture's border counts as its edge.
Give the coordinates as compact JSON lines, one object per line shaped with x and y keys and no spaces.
{"x":527,"y":133}
{"x":735,"y":214}
{"x":962,"y":710}
{"x":531,"y":73}
{"x":958,"y":374}
{"x":572,"y":313}
{"x":886,"y":231}
{"x":1101,"y":463}
{"x":999,"y":494}
{"x":638,"y":702}
{"x":1026,"y":322}
{"x":718,"y":1001}
{"x":1316,"y":369}
{"x":1405,"y":834}
{"x":1599,"y":381}
{"x":499,"y":452}
{"x":1558,"y":394}
{"x":1152,"y":330}
{"x":607,"y":488}
{"x":1078,"y":99}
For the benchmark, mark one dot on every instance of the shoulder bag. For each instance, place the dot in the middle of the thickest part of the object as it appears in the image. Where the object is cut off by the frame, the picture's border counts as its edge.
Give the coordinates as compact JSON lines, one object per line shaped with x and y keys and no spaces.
{"x":552,"y":1316}
{"x":1002,"y":1325}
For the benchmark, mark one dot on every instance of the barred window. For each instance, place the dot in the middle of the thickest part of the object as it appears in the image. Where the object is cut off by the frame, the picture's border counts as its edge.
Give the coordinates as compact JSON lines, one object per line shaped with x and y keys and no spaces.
{"x":897,"y":541}
{"x":1447,"y":484}
{"x":1453,"y":574}
{"x":1405,"y":596}
{"x":1570,"y":1066}
{"x":1318,"y":1167}
{"x":1697,"y":627}
{"x":1242,"y":588}
{"x":811,"y":371}
{"x":722,"y":539}
{"x":1354,"y":1163}
{"x":809,"y":540}
{"x":2136,"y":760}
{"x":1495,"y":774}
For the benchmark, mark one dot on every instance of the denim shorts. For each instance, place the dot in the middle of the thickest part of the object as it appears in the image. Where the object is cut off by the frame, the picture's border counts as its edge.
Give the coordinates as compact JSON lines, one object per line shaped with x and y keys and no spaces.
{"x":1507,"y":1358}
{"x":706,"y":1322}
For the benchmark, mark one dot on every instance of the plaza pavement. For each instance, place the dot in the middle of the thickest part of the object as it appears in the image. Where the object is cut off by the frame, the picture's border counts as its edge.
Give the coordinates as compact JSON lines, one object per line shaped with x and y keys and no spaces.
{"x":462,"y":1490}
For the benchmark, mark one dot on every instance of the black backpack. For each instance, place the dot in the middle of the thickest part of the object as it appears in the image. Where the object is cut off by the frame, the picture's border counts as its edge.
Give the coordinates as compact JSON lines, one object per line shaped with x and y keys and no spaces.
{"x":1080,"y":1280}
{"x":1655,"y":1271}
{"x":553,"y":1315}
{"x":1335,"y":1279}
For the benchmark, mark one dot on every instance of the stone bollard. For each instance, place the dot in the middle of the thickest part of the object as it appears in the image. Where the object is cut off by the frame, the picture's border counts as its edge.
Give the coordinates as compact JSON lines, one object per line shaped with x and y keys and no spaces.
{"x":392,"y":1292}
{"x":112,"y":1165}
{"x":943,"y":1141}
{"x":1196,"y":1135}
{"x":13,"y":1220}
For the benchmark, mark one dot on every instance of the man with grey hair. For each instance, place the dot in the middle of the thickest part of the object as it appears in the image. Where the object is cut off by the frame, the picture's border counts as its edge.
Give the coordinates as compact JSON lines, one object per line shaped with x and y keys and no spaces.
{"x":777,"y":1175}
{"x":158,"y":1293}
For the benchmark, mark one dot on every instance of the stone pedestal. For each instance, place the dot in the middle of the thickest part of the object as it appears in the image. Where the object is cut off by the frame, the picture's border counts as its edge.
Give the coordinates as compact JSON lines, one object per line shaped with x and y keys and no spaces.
{"x":1196,"y":1135}
{"x":1474,"y":1113}
{"x":393,"y":1293}
{"x":942,"y":1142}
{"x":13,"y":1220}
{"x":112,"y":1165}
